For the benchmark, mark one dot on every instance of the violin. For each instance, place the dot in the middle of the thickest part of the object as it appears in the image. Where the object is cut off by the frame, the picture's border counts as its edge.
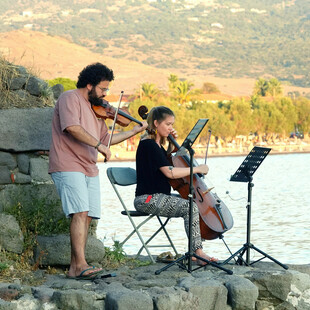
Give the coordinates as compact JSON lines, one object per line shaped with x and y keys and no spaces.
{"x":105,"y":111}
{"x":215,"y":218}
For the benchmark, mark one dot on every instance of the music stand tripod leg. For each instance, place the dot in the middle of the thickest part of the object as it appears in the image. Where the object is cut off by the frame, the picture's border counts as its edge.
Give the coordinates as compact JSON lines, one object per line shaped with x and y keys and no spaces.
{"x":268,"y":256}
{"x":237,"y":253}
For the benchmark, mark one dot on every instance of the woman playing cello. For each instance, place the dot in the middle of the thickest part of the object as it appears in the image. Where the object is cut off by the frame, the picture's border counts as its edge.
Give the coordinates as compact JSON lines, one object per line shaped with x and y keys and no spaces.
{"x":153,"y":192}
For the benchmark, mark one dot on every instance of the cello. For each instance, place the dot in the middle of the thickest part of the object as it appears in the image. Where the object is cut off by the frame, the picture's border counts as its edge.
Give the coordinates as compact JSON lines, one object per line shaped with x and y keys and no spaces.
{"x":215,"y":217}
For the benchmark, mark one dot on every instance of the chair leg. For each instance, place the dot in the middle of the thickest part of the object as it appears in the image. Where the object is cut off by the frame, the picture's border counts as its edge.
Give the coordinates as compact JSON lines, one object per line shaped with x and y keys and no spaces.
{"x":163,"y":225}
{"x":136,"y":230}
{"x":149,"y":240}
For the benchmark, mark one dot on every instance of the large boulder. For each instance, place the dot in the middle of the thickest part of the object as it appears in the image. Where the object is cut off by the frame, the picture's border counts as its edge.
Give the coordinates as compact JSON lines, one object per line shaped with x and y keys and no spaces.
{"x":35,"y":86}
{"x":124,"y":299}
{"x":56,"y":250}
{"x":11,"y":237}
{"x":24,"y":130}
{"x":242,"y":293}
{"x":282,"y":288}
{"x":79,"y":299}
{"x":212,"y":294}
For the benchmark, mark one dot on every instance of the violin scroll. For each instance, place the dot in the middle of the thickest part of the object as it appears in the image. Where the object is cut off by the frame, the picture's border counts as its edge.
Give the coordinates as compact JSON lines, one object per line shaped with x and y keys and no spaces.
{"x":143,"y":112}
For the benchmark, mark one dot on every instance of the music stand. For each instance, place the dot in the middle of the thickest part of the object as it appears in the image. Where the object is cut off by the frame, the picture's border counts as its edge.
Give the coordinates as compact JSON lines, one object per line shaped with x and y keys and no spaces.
{"x":187,"y":145}
{"x":245,"y":174}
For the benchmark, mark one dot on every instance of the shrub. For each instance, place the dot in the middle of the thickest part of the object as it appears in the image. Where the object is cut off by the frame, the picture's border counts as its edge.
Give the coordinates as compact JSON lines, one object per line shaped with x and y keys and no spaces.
{"x":65,"y":82}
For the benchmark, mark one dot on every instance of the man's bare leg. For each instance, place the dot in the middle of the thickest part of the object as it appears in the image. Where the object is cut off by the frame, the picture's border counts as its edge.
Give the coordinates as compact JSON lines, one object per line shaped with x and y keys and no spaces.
{"x":78,"y":234}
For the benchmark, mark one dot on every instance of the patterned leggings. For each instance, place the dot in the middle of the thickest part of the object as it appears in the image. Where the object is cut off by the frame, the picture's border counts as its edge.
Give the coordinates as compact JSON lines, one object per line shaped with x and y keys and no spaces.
{"x":172,"y":206}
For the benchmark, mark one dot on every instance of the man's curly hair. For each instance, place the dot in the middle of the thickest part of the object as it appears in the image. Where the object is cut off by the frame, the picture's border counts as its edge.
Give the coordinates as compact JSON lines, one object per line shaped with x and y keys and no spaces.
{"x":93,"y":74}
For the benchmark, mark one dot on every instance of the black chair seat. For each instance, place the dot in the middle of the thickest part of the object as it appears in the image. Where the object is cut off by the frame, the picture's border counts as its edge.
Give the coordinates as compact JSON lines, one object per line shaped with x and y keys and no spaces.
{"x":134,"y":213}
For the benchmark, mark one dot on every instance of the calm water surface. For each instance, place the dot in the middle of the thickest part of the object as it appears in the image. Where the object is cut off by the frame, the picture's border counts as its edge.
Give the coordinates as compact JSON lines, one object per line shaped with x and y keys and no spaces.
{"x":280,"y":221}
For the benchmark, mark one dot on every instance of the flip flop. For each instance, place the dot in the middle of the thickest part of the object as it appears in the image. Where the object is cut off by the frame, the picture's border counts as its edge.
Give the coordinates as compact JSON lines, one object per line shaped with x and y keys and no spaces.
{"x":88,"y":276}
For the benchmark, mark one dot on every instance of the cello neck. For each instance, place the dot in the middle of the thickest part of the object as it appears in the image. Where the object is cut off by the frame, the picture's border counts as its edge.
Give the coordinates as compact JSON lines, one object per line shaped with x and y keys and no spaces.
{"x":173,"y":141}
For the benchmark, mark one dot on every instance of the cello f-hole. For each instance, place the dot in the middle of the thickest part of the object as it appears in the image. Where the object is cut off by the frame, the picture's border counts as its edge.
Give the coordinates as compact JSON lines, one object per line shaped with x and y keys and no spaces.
{"x":198,"y":191}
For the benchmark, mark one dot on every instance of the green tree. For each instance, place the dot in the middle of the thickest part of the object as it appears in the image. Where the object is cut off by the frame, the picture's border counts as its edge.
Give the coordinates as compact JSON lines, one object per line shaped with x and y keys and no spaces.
{"x":219,"y":122}
{"x":303,"y":114}
{"x":173,"y":81}
{"x":264,"y":87}
{"x":240,"y":114}
{"x":149,"y":90}
{"x":209,"y":88}
{"x":274,"y":87}
{"x":275,"y":121}
{"x":261,"y":87}
{"x":288,"y":110}
{"x":184,"y":119}
{"x":183,"y":91}
{"x":260,"y":118}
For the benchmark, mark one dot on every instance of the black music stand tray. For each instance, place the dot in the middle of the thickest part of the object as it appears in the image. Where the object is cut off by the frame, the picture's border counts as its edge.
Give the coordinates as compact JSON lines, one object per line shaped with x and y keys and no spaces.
{"x":245,"y":174}
{"x":186,"y":145}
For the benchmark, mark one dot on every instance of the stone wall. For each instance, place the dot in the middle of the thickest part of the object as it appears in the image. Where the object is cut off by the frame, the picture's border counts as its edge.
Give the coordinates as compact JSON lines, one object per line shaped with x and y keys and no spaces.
{"x":25,"y":138}
{"x":26,"y":109}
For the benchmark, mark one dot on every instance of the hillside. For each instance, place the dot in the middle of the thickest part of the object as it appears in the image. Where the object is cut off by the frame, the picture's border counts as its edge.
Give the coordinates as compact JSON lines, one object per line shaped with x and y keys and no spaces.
{"x":50,"y":57}
{"x":225,"y":39}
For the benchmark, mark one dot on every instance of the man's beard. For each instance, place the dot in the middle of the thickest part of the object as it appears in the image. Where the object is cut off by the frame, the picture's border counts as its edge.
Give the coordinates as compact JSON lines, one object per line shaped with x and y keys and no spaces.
{"x":93,"y":98}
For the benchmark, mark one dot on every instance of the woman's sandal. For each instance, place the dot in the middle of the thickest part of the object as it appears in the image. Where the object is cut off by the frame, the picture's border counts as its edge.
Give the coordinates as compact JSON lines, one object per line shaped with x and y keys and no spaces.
{"x":167,"y":257}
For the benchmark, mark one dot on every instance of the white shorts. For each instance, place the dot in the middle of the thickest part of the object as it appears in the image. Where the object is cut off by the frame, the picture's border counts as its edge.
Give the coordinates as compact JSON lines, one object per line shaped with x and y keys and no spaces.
{"x":78,"y":193}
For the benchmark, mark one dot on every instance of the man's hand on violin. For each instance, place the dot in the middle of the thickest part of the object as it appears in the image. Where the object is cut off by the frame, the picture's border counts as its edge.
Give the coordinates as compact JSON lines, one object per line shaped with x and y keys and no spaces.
{"x":139,"y":128}
{"x":105,"y":151}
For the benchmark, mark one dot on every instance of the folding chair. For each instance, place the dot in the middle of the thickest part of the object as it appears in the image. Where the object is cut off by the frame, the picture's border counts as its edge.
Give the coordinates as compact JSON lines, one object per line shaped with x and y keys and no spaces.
{"x":125,"y":176}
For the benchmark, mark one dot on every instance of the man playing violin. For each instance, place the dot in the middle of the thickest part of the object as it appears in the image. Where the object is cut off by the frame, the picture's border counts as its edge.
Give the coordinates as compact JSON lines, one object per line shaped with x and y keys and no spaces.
{"x":153,"y":191}
{"x":77,"y":137}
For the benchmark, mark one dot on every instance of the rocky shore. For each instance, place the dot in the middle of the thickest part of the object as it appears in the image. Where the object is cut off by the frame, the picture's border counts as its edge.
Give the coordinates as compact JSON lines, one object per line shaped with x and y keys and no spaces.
{"x":263,"y":286}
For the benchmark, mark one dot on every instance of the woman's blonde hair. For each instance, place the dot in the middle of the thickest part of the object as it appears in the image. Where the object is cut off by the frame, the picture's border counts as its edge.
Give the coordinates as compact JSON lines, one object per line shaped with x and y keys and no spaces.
{"x":158,"y":114}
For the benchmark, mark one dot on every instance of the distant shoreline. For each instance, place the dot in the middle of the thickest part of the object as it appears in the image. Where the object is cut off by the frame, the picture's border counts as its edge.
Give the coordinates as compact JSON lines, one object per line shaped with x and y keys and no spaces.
{"x":121,"y":154}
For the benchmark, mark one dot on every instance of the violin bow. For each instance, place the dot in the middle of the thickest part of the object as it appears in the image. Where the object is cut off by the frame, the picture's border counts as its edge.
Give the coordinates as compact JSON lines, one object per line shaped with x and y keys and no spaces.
{"x":209,"y":189}
{"x":115,"y":117}
{"x":207,"y":146}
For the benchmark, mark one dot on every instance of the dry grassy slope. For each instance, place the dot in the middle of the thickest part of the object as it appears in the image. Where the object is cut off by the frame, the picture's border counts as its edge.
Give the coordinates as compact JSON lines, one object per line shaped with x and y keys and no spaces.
{"x":50,"y":57}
